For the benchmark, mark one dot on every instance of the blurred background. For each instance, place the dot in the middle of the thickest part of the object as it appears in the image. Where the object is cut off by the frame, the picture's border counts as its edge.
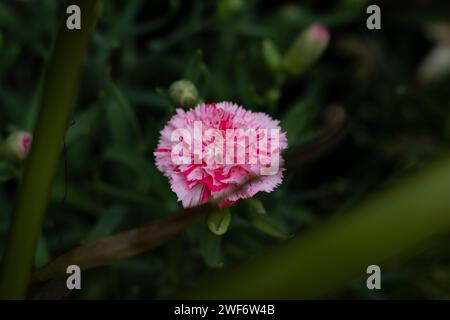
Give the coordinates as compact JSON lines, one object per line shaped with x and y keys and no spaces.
{"x":390,"y":85}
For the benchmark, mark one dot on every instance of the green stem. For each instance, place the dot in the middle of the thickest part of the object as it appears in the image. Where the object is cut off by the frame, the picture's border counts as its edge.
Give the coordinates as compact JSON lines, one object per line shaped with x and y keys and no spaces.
{"x":327,"y":259}
{"x":59,"y":92}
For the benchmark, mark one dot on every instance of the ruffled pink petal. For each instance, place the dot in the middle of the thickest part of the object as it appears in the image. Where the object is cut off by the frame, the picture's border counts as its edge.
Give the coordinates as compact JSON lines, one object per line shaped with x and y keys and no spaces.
{"x":196,"y":183}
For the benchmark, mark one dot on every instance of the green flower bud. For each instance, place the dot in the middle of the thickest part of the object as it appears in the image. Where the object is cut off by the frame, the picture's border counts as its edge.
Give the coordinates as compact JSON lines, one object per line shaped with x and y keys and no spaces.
{"x":271,"y":55}
{"x":183,"y":93}
{"x":219,"y":221}
{"x":306,"y":49}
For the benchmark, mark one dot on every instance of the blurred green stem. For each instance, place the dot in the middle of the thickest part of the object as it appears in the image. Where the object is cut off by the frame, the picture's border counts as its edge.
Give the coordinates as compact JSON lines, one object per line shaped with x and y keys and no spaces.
{"x":325,"y":260}
{"x":60,"y":87}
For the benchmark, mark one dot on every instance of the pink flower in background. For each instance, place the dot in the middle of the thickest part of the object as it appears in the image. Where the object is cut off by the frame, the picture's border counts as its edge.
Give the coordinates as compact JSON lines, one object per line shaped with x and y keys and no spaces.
{"x":319,"y":33}
{"x":209,"y":150}
{"x":19,"y":144}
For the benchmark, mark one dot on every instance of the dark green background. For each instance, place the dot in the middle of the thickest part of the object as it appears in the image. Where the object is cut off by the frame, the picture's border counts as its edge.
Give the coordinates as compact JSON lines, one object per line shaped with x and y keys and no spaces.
{"x":396,"y":124}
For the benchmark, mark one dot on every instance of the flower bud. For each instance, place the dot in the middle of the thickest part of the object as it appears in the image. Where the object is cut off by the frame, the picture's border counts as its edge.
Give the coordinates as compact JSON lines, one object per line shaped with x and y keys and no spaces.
{"x":306,"y":49}
{"x":20,"y":143}
{"x":219,"y":221}
{"x":17,"y":145}
{"x":183,"y":93}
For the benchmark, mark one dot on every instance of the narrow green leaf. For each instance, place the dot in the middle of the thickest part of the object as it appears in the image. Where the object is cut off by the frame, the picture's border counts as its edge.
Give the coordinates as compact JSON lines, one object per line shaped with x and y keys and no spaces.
{"x":270,"y":225}
{"x":271,"y":55}
{"x":7,"y":171}
{"x":119,"y":129}
{"x":297,"y":122}
{"x":145,"y":172}
{"x":194,"y":67}
{"x":211,"y":249}
{"x":83,"y":125}
{"x":107,"y":223}
{"x":42,"y":256}
{"x":74,"y":196}
{"x":122,"y":109}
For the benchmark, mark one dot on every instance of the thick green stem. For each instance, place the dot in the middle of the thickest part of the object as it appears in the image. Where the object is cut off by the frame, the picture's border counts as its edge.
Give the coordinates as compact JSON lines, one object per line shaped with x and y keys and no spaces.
{"x":60,"y":87}
{"x":326,"y":260}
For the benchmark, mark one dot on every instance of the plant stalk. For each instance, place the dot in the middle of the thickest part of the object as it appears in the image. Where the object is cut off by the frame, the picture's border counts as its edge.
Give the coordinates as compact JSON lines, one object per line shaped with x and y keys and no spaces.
{"x":323,"y":261}
{"x":59,"y":92}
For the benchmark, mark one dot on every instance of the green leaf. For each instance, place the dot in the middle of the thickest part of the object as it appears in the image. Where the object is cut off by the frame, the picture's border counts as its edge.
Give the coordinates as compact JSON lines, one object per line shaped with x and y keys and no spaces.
{"x":251,"y":207}
{"x":253,"y":211}
{"x":83,"y":125}
{"x":151,"y":100}
{"x":121,"y":115}
{"x":119,"y":130}
{"x":297,"y":122}
{"x":7,"y":171}
{"x":194,"y":67}
{"x":270,"y":225}
{"x":121,"y":194}
{"x":107,"y":223}
{"x":75,"y":197}
{"x":33,"y":104}
{"x":211,"y":250}
{"x":145,"y":172}
{"x":42,"y":256}
{"x":271,"y":55}
{"x":139,"y":265}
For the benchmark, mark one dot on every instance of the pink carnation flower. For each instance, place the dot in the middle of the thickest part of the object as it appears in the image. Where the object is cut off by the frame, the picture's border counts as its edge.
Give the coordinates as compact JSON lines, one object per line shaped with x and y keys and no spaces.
{"x":190,"y":153}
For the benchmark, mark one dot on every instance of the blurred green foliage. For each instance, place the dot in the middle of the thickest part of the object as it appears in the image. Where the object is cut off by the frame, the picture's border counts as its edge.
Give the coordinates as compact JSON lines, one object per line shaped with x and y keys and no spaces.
{"x":107,"y":181}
